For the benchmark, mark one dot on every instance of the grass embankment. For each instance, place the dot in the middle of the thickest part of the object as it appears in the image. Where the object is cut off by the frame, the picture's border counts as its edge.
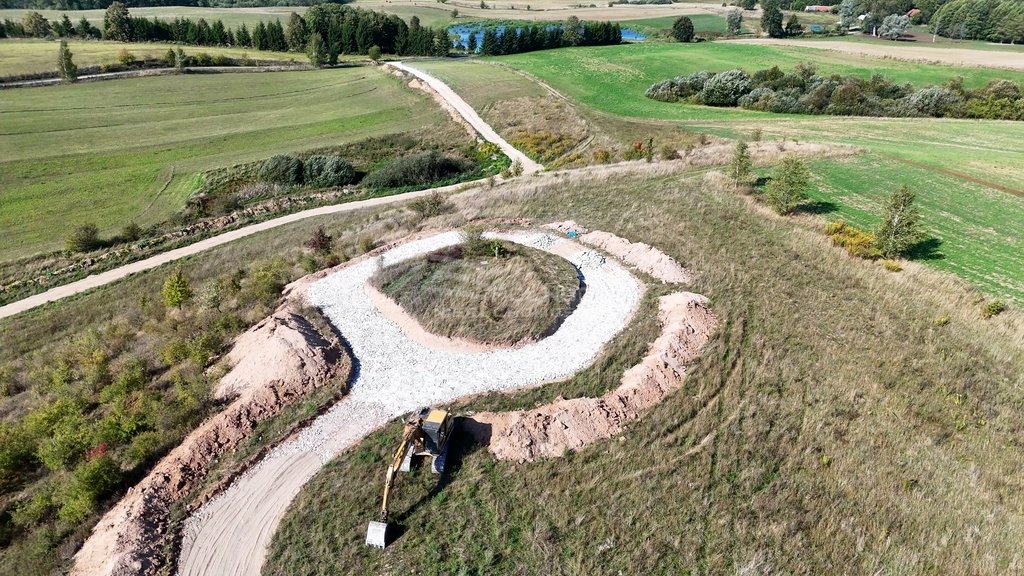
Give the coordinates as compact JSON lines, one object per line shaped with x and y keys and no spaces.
{"x":966,"y":173}
{"x":131,"y":149}
{"x":25,"y":56}
{"x":831,"y":426}
{"x":519,"y":295}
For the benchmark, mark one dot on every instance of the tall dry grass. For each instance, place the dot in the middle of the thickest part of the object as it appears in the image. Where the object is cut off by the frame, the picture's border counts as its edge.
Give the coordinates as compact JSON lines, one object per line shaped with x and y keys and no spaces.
{"x":833,"y":426}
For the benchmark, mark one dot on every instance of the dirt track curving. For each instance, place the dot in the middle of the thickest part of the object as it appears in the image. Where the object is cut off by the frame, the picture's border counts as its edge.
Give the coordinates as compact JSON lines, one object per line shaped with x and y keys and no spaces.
{"x":551,"y":430}
{"x":397,"y":374}
{"x":278,"y":361}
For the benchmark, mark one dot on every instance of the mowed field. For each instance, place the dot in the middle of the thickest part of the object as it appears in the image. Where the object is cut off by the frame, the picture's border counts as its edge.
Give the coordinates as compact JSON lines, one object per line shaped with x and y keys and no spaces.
{"x":130,"y":149}
{"x":23,"y":56}
{"x":967,"y":174}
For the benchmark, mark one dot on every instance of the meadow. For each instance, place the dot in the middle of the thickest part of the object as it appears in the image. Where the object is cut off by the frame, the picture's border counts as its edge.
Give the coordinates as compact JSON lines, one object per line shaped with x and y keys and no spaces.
{"x":786,"y":450}
{"x":232,"y":17}
{"x":24,"y":56}
{"x":131,"y":149}
{"x":701,"y":23}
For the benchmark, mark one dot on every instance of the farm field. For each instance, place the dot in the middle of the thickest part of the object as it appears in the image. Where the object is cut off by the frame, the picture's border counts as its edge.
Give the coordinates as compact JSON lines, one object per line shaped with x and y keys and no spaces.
{"x":946,"y":54}
{"x":178,"y":126}
{"x":232,"y":17}
{"x":23,"y":56}
{"x":701,"y":23}
{"x":964,"y":171}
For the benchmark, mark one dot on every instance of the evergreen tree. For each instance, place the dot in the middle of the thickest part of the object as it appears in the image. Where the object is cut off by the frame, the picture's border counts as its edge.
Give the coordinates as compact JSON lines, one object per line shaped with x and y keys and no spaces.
{"x":117,"y":23}
{"x":316,"y":50}
{"x":177,"y":290}
{"x":84,"y":29}
{"x":901,"y":228}
{"x":242,"y":36}
{"x":471,"y":43}
{"x":296,"y":34}
{"x":740,"y":166}
{"x":259,"y":36}
{"x":67,"y":69}
{"x":682,"y":29}
{"x":771,"y":19}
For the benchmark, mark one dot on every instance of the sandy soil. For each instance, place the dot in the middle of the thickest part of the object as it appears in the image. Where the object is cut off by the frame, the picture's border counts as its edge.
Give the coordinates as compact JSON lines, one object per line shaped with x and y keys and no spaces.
{"x":278,"y":361}
{"x":904,"y":51}
{"x":548,"y":431}
{"x":397,"y":374}
{"x":643,"y":257}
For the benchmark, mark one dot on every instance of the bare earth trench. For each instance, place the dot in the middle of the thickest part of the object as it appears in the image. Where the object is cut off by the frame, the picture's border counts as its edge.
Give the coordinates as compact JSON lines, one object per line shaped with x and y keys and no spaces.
{"x":397,"y":374}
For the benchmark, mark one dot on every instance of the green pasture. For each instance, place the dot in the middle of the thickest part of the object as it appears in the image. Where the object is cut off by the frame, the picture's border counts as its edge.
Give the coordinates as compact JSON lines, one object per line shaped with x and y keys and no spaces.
{"x":22,"y":56}
{"x":113,"y":152}
{"x":701,"y":23}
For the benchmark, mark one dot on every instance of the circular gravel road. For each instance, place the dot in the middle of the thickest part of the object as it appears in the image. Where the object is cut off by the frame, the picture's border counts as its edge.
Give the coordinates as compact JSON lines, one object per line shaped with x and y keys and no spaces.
{"x":231,"y":533}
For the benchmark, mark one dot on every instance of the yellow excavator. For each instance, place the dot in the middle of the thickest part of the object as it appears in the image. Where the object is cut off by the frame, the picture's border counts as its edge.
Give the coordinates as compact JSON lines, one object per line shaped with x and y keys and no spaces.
{"x":427,"y":433}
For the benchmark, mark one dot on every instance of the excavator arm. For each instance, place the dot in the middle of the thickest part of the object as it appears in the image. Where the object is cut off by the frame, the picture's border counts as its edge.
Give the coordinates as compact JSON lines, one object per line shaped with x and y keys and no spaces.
{"x":411,"y":430}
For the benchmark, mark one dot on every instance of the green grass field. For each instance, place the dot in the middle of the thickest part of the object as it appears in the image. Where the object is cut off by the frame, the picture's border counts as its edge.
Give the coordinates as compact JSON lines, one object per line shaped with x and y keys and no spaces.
{"x":701,"y":23}
{"x":122,"y":142}
{"x":22,"y":56}
{"x":967,"y":173}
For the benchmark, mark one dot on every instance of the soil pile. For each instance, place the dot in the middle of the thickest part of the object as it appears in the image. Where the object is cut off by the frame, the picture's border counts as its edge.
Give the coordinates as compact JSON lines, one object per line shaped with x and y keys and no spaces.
{"x":550,"y":430}
{"x":644,"y":257}
{"x":277,"y":361}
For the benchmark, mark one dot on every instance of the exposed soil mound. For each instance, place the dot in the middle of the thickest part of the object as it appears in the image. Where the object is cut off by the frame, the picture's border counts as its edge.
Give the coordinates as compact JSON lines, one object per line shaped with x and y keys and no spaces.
{"x":644,"y":257}
{"x":277,"y":361}
{"x":550,"y":430}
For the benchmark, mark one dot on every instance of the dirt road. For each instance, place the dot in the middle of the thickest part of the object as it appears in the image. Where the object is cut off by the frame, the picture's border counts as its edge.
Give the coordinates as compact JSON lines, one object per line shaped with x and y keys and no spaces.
{"x":398,"y":374}
{"x":97,"y":280}
{"x":910,"y":52}
{"x":470,"y":115}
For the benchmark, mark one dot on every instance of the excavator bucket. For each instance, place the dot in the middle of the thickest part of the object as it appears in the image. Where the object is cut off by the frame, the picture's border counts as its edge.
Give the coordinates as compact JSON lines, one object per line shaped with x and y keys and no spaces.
{"x":377,"y":535}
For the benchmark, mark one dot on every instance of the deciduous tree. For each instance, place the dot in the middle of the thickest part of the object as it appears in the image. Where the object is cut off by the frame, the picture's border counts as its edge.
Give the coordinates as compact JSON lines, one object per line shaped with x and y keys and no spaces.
{"x":741,"y":164}
{"x":177,"y":290}
{"x":117,"y":23}
{"x":788,"y":186}
{"x":65,"y":66}
{"x":734,"y":22}
{"x":901,"y":227}
{"x":771,"y":19}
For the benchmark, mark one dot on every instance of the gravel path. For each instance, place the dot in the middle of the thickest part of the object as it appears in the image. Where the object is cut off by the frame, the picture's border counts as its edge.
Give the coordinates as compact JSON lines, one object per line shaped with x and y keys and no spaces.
{"x":470,"y":115}
{"x":230,"y":535}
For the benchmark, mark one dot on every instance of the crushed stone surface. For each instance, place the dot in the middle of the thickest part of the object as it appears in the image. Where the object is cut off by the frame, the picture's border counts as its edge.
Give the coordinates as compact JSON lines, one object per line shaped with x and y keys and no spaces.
{"x":550,"y":430}
{"x":396,"y":375}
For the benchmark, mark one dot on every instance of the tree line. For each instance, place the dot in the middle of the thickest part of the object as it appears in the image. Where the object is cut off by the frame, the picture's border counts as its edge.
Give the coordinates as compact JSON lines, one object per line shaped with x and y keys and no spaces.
{"x":102,"y":4}
{"x":992,"y":20}
{"x":573,"y":32}
{"x":338,"y":30}
{"x":803,"y":91}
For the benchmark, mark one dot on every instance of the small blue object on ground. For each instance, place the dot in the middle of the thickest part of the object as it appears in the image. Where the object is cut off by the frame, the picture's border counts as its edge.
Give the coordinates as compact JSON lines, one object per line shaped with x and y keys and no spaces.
{"x":571,"y":234}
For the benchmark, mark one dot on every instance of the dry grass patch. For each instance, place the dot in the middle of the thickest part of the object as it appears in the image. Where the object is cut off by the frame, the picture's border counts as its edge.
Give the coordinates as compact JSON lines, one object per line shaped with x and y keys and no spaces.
{"x":501,"y":294}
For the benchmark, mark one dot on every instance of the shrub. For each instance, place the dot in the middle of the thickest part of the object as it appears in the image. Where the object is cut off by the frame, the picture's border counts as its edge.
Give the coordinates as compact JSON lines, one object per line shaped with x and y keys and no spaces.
{"x":282,"y":169}
{"x":932,"y":101}
{"x":92,"y":481}
{"x":856,"y":242}
{"x":682,"y":29}
{"x":85,"y":238}
{"x":892,"y":265}
{"x":993,"y":308}
{"x":327,"y":171}
{"x":726,"y":88}
{"x":602,"y":156}
{"x":473,"y":241}
{"x":176,"y":290}
{"x":433,"y":204}
{"x":374,"y":52}
{"x":668,"y":152}
{"x":941,"y":320}
{"x":419,"y":169}
{"x":125,"y":57}
{"x":320,"y":241}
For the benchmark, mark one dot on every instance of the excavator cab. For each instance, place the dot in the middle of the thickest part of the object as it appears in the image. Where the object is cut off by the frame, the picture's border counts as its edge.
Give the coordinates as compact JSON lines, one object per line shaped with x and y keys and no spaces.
{"x":427,"y":433}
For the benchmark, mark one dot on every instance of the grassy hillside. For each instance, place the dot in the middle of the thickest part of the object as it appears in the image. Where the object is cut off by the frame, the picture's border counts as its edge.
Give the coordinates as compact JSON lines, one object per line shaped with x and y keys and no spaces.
{"x":701,"y":23}
{"x":232,"y":17}
{"x":130,"y":149}
{"x":831,"y":427}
